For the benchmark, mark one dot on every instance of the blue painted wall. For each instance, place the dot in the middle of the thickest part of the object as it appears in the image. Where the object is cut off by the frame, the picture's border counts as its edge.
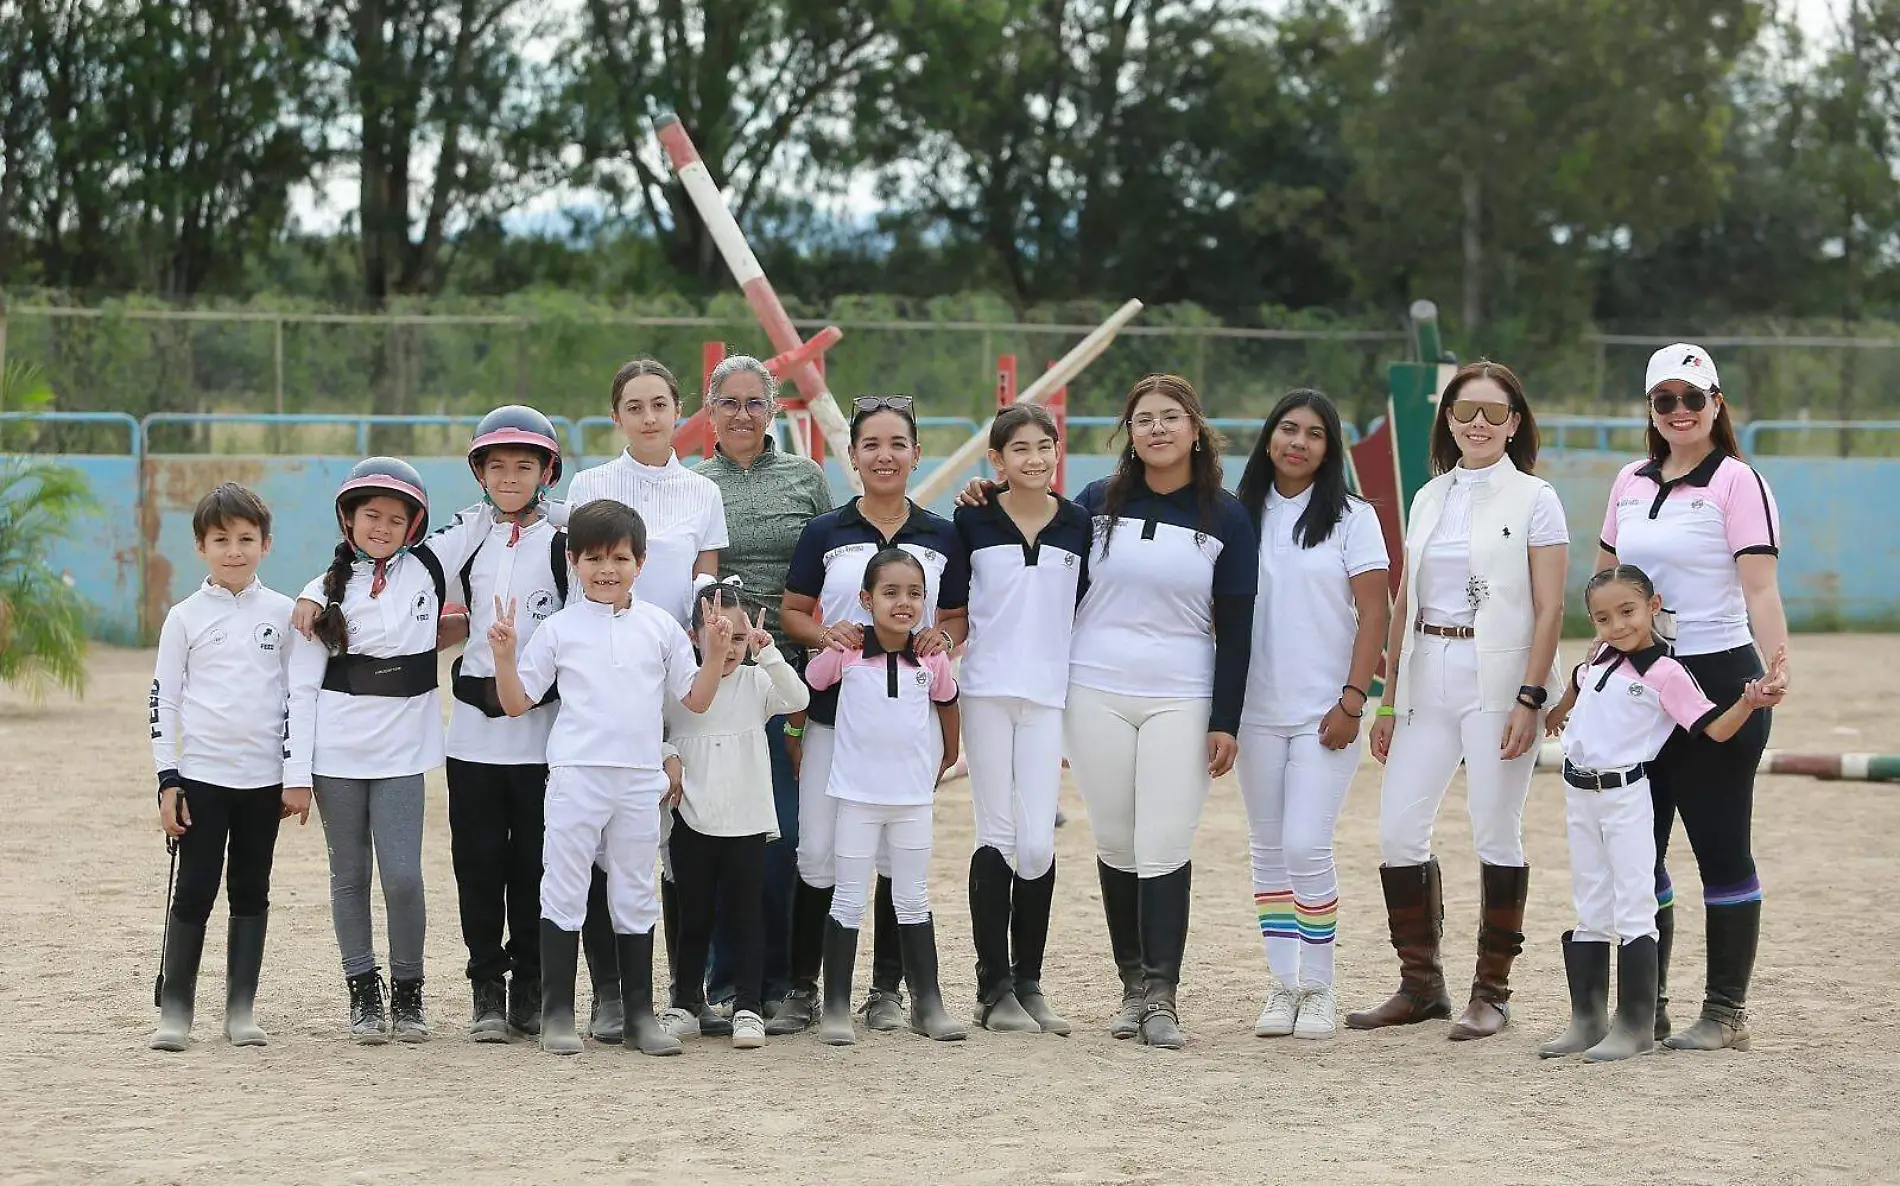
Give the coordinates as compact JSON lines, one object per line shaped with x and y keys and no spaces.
{"x":1840,"y":565}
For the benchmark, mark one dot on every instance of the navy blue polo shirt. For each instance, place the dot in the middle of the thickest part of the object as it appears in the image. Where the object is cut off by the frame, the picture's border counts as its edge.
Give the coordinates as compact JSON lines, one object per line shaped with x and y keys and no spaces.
{"x":1169,"y":607}
{"x":1023,"y":596}
{"x":829,"y":561}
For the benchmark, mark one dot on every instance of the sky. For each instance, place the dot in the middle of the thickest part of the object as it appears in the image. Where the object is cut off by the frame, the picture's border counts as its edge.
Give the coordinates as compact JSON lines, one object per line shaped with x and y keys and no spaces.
{"x":321,"y":207}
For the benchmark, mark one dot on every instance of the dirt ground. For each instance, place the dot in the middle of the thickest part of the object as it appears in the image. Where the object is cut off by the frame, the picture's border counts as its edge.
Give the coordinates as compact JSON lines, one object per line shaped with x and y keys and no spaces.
{"x":86,"y":1101}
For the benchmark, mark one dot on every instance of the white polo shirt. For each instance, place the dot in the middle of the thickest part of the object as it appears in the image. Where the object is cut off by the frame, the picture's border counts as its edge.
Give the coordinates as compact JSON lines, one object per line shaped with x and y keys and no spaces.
{"x":221,"y":687}
{"x":1022,"y":602}
{"x":888,"y":745}
{"x":1444,"y":571}
{"x":684,"y":516}
{"x":1305,"y":620}
{"x":1146,"y":623}
{"x":483,"y":556}
{"x":1687,"y":535}
{"x":616,"y":669}
{"x":345,"y":736}
{"x":1628,"y":705}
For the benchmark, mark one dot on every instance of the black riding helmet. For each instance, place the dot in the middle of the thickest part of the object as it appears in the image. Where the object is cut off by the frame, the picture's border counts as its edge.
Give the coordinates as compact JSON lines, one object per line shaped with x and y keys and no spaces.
{"x":384,"y":475}
{"x":519,"y":426}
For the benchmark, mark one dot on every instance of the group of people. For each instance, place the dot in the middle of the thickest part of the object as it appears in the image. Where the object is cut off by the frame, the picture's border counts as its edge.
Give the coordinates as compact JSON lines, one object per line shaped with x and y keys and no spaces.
{"x":714,"y":673}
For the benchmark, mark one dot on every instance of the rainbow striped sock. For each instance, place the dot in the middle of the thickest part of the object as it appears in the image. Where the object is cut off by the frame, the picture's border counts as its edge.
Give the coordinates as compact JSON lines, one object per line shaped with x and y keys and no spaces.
{"x":1665,"y":890}
{"x":1317,"y":920}
{"x":1748,"y":890}
{"x":1276,"y":910}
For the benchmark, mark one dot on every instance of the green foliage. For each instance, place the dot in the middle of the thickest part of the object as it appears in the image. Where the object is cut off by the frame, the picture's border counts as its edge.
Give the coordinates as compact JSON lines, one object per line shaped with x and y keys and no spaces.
{"x":42,"y":618}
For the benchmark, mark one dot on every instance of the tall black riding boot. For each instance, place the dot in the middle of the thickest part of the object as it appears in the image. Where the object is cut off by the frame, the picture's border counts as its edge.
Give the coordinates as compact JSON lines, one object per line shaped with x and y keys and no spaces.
{"x":243,"y":964}
{"x":184,"y":947}
{"x":927,"y":1015}
{"x":810,"y":908}
{"x":1665,"y":944}
{"x":1734,"y":932}
{"x":841,"y":961}
{"x":1587,"y":967}
{"x":560,"y":952}
{"x":604,"y":1020}
{"x":1634,"y":1031}
{"x":990,"y":885}
{"x":884,"y":1008}
{"x":644,"y":1032}
{"x":1121,"y":904}
{"x":1164,"y":924}
{"x":1030,"y":907}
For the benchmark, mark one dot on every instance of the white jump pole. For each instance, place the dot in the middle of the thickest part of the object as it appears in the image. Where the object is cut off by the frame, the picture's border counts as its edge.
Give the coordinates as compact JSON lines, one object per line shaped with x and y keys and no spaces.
{"x":1056,"y":377}
{"x":759,"y":293}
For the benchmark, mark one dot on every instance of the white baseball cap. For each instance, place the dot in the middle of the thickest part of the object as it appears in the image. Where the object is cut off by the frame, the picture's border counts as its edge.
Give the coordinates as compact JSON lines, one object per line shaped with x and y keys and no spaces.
{"x":1685,"y":361}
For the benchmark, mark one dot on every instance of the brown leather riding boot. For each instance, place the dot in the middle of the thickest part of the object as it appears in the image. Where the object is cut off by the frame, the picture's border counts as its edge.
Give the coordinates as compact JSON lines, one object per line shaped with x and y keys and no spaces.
{"x":1500,"y":939}
{"x":1415,"y":908}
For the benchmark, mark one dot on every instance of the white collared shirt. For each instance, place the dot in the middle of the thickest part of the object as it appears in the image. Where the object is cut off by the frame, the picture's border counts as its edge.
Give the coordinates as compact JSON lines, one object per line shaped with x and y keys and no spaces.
{"x":1627,"y":707}
{"x":889,"y":733}
{"x":726,"y":769}
{"x":345,"y":736}
{"x":219,"y":689}
{"x":684,"y":515}
{"x":1444,"y":575}
{"x":616,"y":668}
{"x":1305,"y":620}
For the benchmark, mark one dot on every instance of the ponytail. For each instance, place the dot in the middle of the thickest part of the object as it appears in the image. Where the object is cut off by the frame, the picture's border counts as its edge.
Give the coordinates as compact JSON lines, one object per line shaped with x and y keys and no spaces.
{"x":331,"y":627}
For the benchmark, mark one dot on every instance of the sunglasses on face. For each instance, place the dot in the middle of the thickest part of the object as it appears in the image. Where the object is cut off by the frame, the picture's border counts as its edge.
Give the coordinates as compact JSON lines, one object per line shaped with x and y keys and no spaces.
{"x":1666,"y":402}
{"x":731,"y":406}
{"x":1464,"y":411}
{"x":880,"y":403}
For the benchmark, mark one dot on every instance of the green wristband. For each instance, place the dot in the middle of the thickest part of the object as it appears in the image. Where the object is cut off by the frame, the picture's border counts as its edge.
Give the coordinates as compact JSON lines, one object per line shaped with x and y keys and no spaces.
{"x":1386,"y":710}
{"x":794,"y":731}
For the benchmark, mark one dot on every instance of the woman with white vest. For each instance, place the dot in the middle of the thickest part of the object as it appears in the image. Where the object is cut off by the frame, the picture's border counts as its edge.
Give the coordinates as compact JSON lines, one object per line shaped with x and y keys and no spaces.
{"x":1473,"y":662}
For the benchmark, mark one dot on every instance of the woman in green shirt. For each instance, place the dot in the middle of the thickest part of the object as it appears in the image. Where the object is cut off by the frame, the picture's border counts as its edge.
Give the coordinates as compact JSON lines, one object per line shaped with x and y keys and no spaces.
{"x":769,"y":496}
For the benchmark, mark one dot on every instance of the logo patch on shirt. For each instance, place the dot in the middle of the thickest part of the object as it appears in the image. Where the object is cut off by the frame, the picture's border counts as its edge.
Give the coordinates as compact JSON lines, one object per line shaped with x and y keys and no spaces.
{"x":422,"y":606}
{"x":1698,"y":504}
{"x":923,"y":678}
{"x":540,"y":604}
{"x":1636,"y":690}
{"x":215,"y":638}
{"x":265,"y":636}
{"x":1068,"y":560}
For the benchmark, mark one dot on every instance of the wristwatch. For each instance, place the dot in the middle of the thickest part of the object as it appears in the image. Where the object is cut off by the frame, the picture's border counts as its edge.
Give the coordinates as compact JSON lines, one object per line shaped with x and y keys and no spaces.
{"x":1534,"y":693}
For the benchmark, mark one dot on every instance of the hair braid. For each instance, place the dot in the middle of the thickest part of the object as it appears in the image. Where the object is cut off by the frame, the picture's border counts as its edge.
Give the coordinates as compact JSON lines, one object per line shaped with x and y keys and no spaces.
{"x":332,"y":628}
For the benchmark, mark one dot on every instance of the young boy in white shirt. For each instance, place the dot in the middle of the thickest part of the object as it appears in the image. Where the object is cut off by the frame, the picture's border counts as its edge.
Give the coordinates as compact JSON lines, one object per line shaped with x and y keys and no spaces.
{"x":616,"y":659}
{"x":217,"y":726}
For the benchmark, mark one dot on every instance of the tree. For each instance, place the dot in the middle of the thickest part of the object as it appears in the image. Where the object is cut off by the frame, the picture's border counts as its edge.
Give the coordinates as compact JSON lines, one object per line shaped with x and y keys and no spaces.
{"x":1512,"y":139}
{"x":762,"y":86}
{"x":42,"y":618}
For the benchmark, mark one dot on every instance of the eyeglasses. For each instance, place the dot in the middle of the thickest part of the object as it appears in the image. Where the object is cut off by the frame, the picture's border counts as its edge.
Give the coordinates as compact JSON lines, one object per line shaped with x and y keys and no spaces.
{"x":732,"y":406}
{"x":1464,"y":411}
{"x":1166,"y":422}
{"x":1665,"y":401}
{"x":880,"y":403}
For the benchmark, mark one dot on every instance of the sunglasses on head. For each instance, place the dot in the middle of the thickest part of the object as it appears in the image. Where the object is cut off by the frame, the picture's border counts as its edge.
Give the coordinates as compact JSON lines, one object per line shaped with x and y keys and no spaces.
{"x":880,"y":403}
{"x":1666,"y":402}
{"x":1464,"y":411}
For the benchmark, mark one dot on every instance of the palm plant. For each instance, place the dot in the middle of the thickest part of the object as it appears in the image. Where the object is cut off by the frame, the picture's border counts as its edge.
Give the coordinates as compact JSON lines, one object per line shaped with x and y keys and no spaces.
{"x":42,"y":617}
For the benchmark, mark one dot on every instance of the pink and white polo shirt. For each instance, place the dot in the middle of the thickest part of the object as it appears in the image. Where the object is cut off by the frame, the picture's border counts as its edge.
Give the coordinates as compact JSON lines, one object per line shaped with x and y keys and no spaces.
{"x":888,"y":741}
{"x":1686,"y":533}
{"x":1628,"y":705}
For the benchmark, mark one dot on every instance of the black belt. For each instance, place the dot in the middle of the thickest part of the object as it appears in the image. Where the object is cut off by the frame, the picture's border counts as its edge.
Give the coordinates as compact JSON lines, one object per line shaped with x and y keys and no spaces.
{"x":399,"y":676}
{"x":1602,"y":780}
{"x":480,"y":691}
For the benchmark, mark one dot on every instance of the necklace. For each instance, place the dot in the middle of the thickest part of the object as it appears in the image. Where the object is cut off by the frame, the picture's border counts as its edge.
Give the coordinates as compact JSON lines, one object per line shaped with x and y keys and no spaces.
{"x":902,"y":514}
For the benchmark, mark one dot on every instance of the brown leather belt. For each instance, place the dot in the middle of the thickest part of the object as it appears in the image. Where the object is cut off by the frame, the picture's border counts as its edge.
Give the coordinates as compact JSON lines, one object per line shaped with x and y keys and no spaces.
{"x":1425,"y":627}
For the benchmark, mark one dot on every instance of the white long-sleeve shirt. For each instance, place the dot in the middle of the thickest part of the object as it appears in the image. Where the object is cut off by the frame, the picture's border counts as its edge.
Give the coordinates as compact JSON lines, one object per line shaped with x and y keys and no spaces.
{"x":616,"y":669}
{"x":517,"y":566}
{"x":220,"y":687}
{"x":726,"y":770}
{"x":345,"y":736}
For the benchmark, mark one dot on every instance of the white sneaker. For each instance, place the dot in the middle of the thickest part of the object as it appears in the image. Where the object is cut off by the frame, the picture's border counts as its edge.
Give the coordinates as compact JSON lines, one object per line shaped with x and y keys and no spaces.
{"x":1316,"y":1013}
{"x":680,"y":1023}
{"x":1276,"y":1020}
{"x":748,"y":1030}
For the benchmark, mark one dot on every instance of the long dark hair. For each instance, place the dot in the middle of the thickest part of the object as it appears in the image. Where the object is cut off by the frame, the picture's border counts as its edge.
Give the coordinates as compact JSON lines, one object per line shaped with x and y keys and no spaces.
{"x":1328,"y":504}
{"x":1521,"y":448}
{"x":331,"y":628}
{"x":1204,"y":474}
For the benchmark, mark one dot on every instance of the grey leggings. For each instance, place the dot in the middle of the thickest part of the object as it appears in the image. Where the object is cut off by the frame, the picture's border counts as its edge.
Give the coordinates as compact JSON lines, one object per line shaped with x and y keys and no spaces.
{"x":386,"y":812}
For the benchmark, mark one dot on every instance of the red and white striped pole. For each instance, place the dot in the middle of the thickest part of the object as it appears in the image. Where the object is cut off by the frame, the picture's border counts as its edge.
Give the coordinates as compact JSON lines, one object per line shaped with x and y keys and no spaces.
{"x":803,"y":370}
